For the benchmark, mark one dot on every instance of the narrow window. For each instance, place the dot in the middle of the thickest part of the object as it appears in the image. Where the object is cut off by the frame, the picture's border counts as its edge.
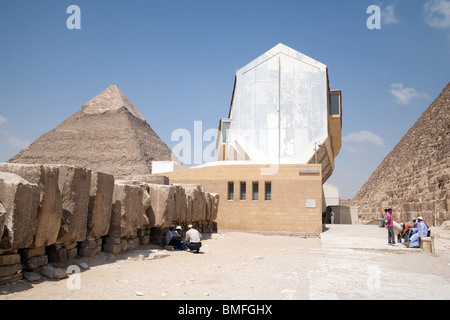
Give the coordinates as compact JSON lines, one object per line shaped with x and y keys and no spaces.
{"x":335,"y":103}
{"x":255,"y":190}
{"x":243,"y":190}
{"x":230,"y":190}
{"x":268,"y":191}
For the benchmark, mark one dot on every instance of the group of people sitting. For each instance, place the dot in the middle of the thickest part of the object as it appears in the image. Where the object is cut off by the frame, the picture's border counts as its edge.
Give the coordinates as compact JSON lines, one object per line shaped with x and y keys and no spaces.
{"x":412,"y":233}
{"x":192,"y":241}
{"x":409,"y":234}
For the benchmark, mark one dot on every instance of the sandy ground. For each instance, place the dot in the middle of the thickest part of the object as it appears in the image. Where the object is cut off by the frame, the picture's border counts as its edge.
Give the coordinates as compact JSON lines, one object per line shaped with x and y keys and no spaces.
{"x":346,"y":262}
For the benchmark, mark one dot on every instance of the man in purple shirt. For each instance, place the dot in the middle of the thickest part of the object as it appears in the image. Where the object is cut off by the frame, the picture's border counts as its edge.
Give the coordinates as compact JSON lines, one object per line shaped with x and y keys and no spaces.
{"x":390,"y":226}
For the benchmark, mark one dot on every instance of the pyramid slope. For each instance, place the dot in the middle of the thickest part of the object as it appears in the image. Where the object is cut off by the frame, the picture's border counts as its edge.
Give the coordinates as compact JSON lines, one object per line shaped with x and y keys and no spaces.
{"x":414,"y":178}
{"x":103,"y":136}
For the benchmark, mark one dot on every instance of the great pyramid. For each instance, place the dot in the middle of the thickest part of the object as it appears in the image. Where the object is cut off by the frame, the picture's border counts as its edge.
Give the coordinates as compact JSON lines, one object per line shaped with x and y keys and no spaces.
{"x":414,"y":178}
{"x":108,"y":134}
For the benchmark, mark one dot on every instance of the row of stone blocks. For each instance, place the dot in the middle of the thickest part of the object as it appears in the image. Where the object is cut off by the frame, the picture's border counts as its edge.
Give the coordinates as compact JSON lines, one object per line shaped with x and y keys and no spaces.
{"x":16,"y":264}
{"x":53,"y":213}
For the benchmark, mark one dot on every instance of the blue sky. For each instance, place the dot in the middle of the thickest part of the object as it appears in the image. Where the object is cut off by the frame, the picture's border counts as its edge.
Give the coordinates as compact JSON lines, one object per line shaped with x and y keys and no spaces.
{"x":176,"y":61}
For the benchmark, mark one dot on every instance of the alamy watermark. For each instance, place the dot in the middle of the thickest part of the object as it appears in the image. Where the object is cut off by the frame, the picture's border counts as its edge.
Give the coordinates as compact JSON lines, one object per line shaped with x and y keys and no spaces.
{"x":374,"y":279}
{"x":199,"y":147}
{"x":190,"y":148}
{"x":74,"y":280}
{"x":374,"y":21}
{"x":74,"y":20}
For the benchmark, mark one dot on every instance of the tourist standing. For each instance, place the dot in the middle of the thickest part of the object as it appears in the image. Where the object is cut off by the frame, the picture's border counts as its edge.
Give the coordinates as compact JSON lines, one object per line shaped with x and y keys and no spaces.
{"x":390,"y":226}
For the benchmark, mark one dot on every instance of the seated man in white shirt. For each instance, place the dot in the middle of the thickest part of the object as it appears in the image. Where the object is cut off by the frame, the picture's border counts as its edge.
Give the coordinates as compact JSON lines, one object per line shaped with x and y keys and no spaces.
{"x":193,"y":239}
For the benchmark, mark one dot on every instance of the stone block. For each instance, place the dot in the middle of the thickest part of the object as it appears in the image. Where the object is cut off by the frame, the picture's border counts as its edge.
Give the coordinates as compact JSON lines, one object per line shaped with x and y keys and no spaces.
{"x":144,"y":240}
{"x":2,"y":218}
{"x":215,"y":206}
{"x":72,"y":253}
{"x":87,"y":252}
{"x":189,"y":205}
{"x":11,"y":278}
{"x":100,"y":202}
{"x":140,"y":232}
{"x":425,"y":244}
{"x":74,"y":183}
{"x":57,"y":253}
{"x":112,"y":240}
{"x":32,"y":252}
{"x":90,"y":243}
{"x":161,"y":213}
{"x":9,"y":259}
{"x":50,"y":209}
{"x":20,"y":199}
{"x":112,"y":248}
{"x":132,"y":243}
{"x":127,"y":213}
{"x":35,"y":262}
{"x":124,"y":243}
{"x":208,"y":206}
{"x":180,"y":209}
{"x":70,"y":245}
{"x":10,"y":269}
{"x":197,"y":202}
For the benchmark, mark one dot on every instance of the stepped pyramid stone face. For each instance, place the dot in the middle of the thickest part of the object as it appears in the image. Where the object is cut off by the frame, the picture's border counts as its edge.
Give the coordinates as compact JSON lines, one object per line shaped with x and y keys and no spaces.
{"x":414,"y":178}
{"x":112,"y":99}
{"x":107,"y":135}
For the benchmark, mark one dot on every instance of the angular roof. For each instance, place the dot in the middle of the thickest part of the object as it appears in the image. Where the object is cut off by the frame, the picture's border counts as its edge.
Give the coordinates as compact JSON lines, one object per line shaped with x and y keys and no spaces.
{"x":108,"y":134}
{"x":285,"y":50}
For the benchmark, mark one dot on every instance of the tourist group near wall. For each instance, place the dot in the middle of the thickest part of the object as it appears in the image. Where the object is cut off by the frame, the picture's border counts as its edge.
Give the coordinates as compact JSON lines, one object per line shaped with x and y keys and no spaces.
{"x":54,"y":213}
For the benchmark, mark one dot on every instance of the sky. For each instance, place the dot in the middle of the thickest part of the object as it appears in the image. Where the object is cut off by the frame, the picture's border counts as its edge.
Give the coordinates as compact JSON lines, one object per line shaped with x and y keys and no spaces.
{"x":176,"y":62}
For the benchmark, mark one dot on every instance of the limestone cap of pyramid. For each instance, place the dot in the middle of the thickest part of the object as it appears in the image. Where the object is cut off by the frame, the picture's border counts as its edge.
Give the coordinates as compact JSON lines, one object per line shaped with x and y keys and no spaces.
{"x":111,"y":99}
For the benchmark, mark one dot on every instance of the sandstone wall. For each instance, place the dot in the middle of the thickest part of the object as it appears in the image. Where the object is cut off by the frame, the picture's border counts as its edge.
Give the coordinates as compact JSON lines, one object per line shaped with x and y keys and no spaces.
{"x":54,"y":213}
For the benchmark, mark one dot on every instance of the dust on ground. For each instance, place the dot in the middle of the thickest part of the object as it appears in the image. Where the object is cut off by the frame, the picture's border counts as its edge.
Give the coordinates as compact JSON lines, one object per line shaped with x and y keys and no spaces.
{"x":346,"y":262}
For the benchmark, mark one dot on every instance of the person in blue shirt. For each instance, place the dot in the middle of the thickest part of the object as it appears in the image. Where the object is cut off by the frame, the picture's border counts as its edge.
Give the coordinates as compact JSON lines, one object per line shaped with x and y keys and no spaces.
{"x":416,"y":222}
{"x":420,"y":232}
{"x":173,"y":238}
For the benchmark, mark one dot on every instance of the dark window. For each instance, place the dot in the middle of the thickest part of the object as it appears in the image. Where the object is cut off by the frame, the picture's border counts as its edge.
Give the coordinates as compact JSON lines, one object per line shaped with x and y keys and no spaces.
{"x":268,"y":191}
{"x":230,"y":190}
{"x":243,"y":190}
{"x":255,"y":190}
{"x":335,"y":101}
